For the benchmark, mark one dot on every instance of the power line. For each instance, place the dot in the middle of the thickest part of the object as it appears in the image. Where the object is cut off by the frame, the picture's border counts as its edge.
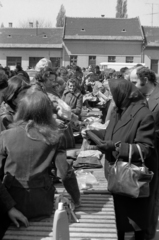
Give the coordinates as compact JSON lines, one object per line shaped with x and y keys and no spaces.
{"x":152,"y":13}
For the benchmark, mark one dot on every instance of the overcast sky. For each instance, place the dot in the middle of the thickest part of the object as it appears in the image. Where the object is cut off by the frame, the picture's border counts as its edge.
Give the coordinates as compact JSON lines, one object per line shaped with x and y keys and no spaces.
{"x":17,"y":11}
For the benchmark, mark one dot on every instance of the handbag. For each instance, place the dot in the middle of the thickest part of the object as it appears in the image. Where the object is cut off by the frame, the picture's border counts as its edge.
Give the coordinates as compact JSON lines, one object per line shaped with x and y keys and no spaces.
{"x":125,"y":178}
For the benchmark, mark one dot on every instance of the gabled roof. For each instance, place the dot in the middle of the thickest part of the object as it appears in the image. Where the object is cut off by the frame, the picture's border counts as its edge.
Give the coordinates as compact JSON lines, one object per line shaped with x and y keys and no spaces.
{"x":151,"y":35}
{"x":103,"y":28}
{"x":31,"y":37}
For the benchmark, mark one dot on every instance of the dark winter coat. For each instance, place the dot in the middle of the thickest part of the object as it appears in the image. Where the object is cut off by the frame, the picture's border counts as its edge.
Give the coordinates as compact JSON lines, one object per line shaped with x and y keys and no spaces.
{"x":153,"y":104}
{"x":136,"y":125}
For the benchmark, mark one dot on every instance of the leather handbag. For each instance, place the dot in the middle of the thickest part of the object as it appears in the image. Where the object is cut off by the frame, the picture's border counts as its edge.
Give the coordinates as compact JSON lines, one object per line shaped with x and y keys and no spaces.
{"x":125,"y":178}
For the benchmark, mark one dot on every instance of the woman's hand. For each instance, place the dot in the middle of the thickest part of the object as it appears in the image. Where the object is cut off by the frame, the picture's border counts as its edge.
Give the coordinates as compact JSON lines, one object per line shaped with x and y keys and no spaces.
{"x":60,"y":123}
{"x":106,"y":146}
{"x":16,"y":216}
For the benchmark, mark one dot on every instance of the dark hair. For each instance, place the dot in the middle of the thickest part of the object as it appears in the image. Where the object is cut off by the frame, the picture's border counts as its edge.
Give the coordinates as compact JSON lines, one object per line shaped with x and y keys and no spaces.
{"x":143,"y":72}
{"x":123,"y":69}
{"x":19,"y":68}
{"x":117,"y":74}
{"x":43,"y":75}
{"x":72,"y":80}
{"x":97,"y":67}
{"x":16,"y":87}
{"x":3,"y":80}
{"x":35,"y":109}
{"x":138,"y":65}
{"x":76,"y":68}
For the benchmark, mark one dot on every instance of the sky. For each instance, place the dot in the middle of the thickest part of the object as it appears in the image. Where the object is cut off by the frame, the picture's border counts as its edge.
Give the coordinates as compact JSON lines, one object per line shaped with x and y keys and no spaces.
{"x":17,"y":11}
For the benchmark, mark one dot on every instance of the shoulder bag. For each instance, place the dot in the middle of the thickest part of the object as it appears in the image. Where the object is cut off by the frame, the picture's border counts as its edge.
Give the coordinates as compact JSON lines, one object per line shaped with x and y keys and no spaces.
{"x":125,"y":178}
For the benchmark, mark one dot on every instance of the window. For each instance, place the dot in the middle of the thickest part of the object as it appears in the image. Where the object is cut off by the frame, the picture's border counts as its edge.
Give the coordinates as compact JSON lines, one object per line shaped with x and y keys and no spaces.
{"x":13,"y":61}
{"x":154,"y":65}
{"x":31,"y":24}
{"x":111,"y":59}
{"x":10,"y":25}
{"x":92,"y":61}
{"x":73,"y":60}
{"x":129,"y":59}
{"x":55,"y":62}
{"x":33,"y":61}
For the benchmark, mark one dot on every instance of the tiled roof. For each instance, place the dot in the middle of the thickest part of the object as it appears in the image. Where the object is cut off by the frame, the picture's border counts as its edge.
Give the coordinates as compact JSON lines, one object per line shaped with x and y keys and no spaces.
{"x":151,"y":35}
{"x":31,"y":37}
{"x":103,"y":28}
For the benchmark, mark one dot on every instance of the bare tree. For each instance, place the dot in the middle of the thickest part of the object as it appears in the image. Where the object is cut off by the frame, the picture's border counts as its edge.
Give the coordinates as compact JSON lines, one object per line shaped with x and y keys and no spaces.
{"x":40,"y":23}
{"x":60,"y":20}
{"x":121,"y":9}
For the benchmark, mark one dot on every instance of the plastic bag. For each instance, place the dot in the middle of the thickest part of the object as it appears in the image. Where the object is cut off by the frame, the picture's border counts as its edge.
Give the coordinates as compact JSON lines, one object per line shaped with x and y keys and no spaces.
{"x":85,"y":179}
{"x":64,"y":111}
{"x":94,"y":126}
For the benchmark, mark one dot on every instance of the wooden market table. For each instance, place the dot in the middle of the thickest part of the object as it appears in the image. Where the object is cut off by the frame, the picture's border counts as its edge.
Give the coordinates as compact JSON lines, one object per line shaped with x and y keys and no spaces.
{"x":96,"y":215}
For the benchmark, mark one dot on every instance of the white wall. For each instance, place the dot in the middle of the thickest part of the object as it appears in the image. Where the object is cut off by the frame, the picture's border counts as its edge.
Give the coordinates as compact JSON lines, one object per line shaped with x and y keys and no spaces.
{"x":26,"y":53}
{"x":147,"y":61}
{"x":100,"y":59}
{"x":82,"y":61}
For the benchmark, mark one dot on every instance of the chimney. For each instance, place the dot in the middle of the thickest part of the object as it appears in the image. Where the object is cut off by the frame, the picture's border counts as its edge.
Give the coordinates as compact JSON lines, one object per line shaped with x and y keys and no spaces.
{"x":31,"y":24}
{"x":10,"y":25}
{"x":102,"y":16}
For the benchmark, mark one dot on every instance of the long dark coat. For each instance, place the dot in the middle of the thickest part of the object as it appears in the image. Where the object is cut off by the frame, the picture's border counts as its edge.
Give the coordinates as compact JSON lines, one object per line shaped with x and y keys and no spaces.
{"x":136,"y":125}
{"x":153,"y":104}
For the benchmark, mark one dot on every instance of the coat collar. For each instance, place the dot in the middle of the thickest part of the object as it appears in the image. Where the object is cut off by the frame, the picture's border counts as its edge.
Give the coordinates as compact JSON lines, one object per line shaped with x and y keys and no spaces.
{"x":127,"y":116}
{"x":154,"y":98}
{"x":76,"y":93}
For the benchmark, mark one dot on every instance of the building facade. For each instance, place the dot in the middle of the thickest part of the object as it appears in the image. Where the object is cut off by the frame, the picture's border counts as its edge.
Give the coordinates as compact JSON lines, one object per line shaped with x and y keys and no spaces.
{"x":82,"y":42}
{"x":94,"y":40}
{"x":26,"y":46}
{"x":151,"y":49}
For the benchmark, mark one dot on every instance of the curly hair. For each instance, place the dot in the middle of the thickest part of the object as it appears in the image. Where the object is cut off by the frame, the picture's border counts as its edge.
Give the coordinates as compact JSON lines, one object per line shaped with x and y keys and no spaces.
{"x":43,"y":75}
{"x":143,"y":72}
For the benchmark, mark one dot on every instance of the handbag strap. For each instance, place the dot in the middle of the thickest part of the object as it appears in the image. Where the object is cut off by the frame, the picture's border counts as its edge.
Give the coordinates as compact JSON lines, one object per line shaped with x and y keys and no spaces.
{"x":140,"y":152}
{"x":130,"y":153}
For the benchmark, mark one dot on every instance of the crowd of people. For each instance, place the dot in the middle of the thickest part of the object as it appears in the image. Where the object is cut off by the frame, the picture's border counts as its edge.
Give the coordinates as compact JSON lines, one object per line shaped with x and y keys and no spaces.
{"x":38,"y":119}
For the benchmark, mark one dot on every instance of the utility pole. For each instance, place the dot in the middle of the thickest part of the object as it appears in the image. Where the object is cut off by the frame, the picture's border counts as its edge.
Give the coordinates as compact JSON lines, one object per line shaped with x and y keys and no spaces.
{"x":152,"y":13}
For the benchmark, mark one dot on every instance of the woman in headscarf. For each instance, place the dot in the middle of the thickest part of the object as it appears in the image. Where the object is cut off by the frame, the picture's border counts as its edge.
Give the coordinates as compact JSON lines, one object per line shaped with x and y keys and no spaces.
{"x":131,"y":122}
